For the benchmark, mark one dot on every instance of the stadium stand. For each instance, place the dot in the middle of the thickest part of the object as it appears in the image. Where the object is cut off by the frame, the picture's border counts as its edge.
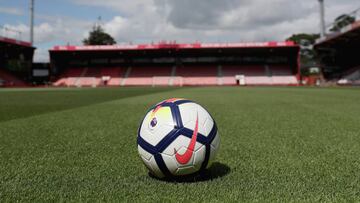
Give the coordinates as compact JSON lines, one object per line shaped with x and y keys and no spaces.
{"x":177,"y":64}
{"x":259,"y":75}
{"x":7,"y":79}
{"x":255,"y":75}
{"x":351,"y":77}
{"x":229,"y":74}
{"x":16,"y":58}
{"x":90,"y":77}
{"x":183,"y":76}
{"x":69,"y":77}
{"x":144,"y":76}
{"x":197,"y":75}
{"x":282,"y":75}
{"x":339,"y":54}
{"x":92,"y":72}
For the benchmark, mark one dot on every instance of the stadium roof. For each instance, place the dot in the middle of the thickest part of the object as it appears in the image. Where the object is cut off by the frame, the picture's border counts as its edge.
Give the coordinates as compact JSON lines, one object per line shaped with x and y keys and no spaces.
{"x":348,"y":36}
{"x":10,"y":41}
{"x":173,"y":45}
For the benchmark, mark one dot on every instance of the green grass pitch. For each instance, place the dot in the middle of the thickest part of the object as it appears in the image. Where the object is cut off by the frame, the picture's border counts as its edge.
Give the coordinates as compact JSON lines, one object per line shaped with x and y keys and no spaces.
{"x":277,"y":144}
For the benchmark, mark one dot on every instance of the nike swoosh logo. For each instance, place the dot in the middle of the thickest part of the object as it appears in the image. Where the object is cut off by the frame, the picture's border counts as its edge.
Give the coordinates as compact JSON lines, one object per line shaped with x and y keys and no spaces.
{"x":185,"y":158}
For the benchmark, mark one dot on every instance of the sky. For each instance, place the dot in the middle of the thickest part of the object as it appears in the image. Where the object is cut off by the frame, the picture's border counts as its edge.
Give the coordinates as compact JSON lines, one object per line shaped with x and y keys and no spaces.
{"x":62,"y":22}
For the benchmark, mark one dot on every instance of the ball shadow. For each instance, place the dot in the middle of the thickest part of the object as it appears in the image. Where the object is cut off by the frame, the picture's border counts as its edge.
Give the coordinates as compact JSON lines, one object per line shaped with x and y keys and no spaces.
{"x":216,"y":170}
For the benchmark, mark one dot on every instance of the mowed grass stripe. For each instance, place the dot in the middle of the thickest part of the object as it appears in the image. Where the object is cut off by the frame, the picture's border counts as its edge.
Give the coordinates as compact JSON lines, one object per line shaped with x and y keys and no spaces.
{"x":20,"y":103}
{"x":55,"y":151}
{"x":280,"y":144}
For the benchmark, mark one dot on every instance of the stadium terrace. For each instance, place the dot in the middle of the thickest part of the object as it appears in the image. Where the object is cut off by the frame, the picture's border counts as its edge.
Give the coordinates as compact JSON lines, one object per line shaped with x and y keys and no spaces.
{"x":172,"y":64}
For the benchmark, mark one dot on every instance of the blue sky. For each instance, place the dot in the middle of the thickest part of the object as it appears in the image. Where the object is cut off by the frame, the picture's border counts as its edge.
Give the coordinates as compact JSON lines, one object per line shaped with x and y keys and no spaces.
{"x":51,"y":8}
{"x":59,"y":22}
{"x":14,"y":14}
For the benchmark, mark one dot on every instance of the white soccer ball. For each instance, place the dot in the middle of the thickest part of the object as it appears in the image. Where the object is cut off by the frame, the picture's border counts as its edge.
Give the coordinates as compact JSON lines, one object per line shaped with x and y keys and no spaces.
{"x":177,"y":137}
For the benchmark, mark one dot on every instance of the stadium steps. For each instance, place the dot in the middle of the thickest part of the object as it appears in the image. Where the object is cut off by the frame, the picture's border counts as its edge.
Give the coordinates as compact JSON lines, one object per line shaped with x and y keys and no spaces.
{"x":268,"y":71}
{"x":173,"y":74}
{"x":127,"y":74}
{"x":78,"y":79}
{"x":68,"y":76}
{"x":83,"y":73}
{"x":219,"y":75}
{"x":90,"y":77}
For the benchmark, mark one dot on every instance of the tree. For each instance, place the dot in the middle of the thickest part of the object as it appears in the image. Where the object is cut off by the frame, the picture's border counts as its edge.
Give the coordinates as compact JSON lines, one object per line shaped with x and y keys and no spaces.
{"x":342,"y":21}
{"x":97,"y":36}
{"x":303,"y":38}
{"x":306,"y":42}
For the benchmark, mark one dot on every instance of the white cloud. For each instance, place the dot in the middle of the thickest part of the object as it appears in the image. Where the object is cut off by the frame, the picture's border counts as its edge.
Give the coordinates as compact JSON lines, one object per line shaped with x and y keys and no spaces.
{"x":148,"y":21}
{"x":41,"y":55}
{"x":56,"y":31}
{"x":60,"y":29}
{"x":213,"y":20}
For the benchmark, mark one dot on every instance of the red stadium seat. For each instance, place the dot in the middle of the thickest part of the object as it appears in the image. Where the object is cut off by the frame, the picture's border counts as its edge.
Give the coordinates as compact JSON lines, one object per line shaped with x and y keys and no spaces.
{"x":115,"y":75}
{"x":8,"y":79}
{"x":69,"y":77}
{"x":144,"y":75}
{"x":195,"y":75}
{"x":92,"y":72}
{"x":282,"y":75}
{"x":90,"y":77}
{"x":198,"y":75}
{"x":253,"y":74}
{"x":259,"y":75}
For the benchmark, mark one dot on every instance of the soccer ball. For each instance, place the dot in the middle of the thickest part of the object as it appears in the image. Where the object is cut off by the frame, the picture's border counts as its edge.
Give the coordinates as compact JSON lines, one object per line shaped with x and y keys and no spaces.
{"x":177,"y":137}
